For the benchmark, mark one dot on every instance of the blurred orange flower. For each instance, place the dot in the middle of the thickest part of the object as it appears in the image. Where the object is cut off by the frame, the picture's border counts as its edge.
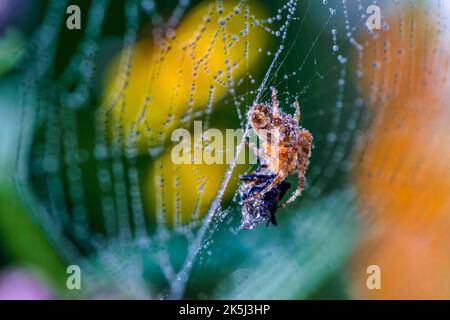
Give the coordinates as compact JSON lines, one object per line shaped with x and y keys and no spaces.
{"x":403,"y":171}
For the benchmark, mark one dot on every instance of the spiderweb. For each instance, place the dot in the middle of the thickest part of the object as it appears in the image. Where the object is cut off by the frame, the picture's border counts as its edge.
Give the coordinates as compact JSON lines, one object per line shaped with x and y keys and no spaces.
{"x":91,"y":157}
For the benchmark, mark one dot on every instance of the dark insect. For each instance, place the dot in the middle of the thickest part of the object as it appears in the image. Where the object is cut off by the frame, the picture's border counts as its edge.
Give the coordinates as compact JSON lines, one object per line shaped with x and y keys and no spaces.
{"x":258,"y":209}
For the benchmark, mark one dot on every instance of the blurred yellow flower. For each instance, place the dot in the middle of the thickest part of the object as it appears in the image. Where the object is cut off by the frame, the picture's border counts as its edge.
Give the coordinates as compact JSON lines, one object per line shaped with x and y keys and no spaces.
{"x":189,"y":68}
{"x":182,"y":193}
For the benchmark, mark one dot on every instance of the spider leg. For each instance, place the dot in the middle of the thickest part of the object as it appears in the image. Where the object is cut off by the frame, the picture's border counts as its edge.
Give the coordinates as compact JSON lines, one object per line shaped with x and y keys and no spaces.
{"x":278,"y":179}
{"x":303,"y":163}
{"x":307,"y":140}
{"x":298,"y":191}
{"x":297,"y":114}
{"x":275,"y":133}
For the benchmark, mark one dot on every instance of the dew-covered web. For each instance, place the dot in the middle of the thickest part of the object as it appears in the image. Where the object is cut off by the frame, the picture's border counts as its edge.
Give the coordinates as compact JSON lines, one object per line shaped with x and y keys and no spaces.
{"x":85,"y":160}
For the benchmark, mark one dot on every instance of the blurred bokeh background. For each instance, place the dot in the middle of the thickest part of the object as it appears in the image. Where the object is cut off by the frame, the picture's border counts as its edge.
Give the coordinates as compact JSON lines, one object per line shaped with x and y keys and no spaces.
{"x":87,"y":179}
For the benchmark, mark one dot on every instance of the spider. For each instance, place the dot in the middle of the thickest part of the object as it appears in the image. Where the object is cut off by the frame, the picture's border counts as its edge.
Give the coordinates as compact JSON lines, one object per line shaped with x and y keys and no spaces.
{"x":286,"y":147}
{"x":256,"y":211}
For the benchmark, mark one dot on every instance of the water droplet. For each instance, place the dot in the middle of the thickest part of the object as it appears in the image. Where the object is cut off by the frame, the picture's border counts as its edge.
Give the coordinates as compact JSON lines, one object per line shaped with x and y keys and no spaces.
{"x":331,"y":137}
{"x":342,"y":59}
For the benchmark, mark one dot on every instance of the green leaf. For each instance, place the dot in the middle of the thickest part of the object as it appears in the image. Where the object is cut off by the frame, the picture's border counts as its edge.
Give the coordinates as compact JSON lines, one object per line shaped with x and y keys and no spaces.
{"x":11,"y":50}
{"x":21,"y":239}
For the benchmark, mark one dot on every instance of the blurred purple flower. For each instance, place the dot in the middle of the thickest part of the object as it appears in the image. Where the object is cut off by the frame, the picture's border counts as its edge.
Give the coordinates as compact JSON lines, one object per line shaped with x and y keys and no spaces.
{"x":12,"y":11}
{"x":21,"y":285}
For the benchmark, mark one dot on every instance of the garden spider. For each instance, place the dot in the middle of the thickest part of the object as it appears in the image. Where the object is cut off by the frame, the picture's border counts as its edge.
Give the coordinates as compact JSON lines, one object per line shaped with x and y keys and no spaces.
{"x":286,"y":147}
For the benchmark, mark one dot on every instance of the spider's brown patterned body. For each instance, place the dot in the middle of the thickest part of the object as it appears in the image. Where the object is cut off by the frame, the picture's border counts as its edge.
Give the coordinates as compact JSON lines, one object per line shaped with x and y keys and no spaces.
{"x":287,"y":146}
